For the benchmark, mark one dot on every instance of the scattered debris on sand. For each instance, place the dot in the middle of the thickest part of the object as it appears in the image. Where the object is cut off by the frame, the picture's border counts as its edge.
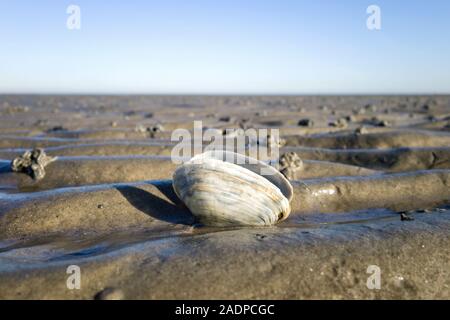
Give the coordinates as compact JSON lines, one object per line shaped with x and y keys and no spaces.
{"x":361,"y":130}
{"x":151,"y":131}
{"x":375,"y":121}
{"x":306,"y":123}
{"x":377,"y":189}
{"x":291,"y":165}
{"x":32,"y":163}
{"x":340,"y":123}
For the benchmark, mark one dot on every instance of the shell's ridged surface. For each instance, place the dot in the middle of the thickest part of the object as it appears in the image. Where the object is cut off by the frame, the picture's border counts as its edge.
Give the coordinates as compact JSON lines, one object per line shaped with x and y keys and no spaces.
{"x":222,"y":194}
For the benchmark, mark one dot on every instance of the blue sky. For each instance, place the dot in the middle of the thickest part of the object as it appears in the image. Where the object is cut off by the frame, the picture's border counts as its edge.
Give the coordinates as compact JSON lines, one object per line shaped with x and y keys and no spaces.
{"x":219,"y":46}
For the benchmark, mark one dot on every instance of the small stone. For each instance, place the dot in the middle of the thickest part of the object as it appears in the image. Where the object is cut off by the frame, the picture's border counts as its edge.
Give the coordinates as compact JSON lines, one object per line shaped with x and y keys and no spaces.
{"x":361,"y":130}
{"x":384,"y":123}
{"x":129,"y":113}
{"x":244,"y":123}
{"x":351,"y":118}
{"x":379,"y":123}
{"x":275,"y":141}
{"x":306,"y":123}
{"x":359,"y":111}
{"x":56,"y":129}
{"x":110,"y":294}
{"x":339,"y":123}
{"x":405,"y":217}
{"x":140,"y":128}
{"x":225,"y":119}
{"x":260,"y":236}
{"x":261,"y":113}
{"x":100,"y":206}
{"x":371,"y":107}
{"x":155,"y":129}
{"x":151,"y":130}
{"x":41,"y":122}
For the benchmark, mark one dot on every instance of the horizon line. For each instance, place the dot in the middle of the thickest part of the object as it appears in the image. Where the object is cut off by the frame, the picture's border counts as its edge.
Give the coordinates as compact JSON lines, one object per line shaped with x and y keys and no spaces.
{"x":223,"y":94}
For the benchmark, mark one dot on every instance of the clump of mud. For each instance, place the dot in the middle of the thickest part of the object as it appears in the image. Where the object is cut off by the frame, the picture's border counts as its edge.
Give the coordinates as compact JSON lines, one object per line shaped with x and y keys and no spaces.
{"x":32,"y":163}
{"x":291,"y":165}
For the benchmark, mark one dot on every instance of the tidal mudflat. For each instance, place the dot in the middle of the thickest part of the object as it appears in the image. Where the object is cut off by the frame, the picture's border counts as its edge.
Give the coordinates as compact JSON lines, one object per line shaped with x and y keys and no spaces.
{"x":371,"y":191}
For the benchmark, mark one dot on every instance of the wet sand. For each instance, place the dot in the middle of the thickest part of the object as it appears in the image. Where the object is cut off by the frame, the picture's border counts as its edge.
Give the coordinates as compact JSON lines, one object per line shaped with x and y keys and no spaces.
{"x":374,"y":189}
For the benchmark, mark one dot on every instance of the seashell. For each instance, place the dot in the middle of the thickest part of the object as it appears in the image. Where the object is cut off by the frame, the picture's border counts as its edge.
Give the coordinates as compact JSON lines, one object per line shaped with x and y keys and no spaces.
{"x":223,"y":188}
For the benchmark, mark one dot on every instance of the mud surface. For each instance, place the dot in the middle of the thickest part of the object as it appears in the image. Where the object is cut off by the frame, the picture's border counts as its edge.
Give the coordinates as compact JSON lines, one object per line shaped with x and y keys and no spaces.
{"x":371,"y":179}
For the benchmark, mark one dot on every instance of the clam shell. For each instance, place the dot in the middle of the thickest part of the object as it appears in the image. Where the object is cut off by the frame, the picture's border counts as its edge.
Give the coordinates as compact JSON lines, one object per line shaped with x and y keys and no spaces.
{"x":222,"y":193}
